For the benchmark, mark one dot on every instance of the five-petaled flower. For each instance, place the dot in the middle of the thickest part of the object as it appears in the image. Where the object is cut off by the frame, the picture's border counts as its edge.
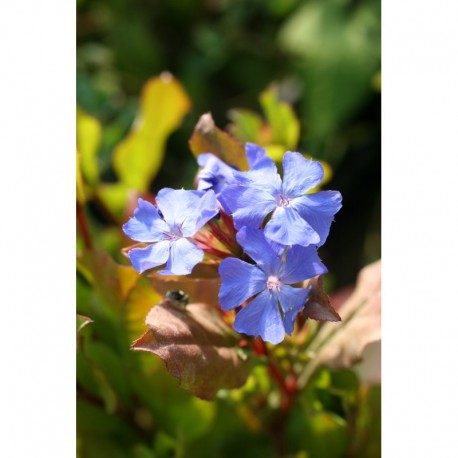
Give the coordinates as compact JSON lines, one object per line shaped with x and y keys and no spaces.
{"x":296,"y":218}
{"x":275,"y":304}
{"x":168,"y":229}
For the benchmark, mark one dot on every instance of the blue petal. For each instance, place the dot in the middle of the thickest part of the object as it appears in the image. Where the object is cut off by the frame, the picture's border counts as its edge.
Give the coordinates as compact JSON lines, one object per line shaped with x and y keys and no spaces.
{"x":318,"y":210}
{"x":261,"y":317}
{"x":300,"y":174}
{"x":205,"y":210}
{"x":260,"y":249}
{"x":152,"y":256}
{"x":301,"y":264}
{"x":240,"y":281}
{"x":146,"y":225}
{"x":288,"y":228}
{"x":248,"y":206}
{"x":263,"y":175}
{"x":292,"y":301}
{"x":257,"y":158}
{"x":184,"y":255}
{"x":215,"y":175}
{"x":177,"y":204}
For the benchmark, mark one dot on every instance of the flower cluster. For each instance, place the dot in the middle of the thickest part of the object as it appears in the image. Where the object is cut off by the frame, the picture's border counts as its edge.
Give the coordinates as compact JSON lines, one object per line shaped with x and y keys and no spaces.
{"x":264,"y":229}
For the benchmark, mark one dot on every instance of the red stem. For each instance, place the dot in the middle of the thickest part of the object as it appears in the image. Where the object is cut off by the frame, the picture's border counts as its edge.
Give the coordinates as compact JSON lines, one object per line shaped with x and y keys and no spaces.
{"x":83,"y":226}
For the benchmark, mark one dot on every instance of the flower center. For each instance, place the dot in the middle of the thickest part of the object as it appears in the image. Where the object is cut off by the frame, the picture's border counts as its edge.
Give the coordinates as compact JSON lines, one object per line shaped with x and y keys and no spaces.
{"x":273,"y":283}
{"x":282,"y":201}
{"x":174,"y":234}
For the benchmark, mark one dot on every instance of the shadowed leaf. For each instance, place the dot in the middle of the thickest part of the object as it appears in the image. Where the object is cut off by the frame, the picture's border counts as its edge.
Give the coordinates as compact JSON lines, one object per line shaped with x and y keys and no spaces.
{"x":318,"y":307}
{"x":207,"y":138}
{"x":196,"y":346}
{"x":341,"y":345}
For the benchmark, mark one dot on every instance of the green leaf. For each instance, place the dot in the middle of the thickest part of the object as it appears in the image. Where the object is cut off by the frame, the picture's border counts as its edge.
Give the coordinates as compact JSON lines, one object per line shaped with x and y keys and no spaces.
{"x":88,"y":137}
{"x":196,"y":346}
{"x":207,"y":138}
{"x":246,"y":125}
{"x":282,"y":119}
{"x":163,"y":104}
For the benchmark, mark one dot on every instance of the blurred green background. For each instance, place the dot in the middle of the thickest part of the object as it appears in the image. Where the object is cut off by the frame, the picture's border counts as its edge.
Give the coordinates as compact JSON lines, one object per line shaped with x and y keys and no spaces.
{"x":324,"y":56}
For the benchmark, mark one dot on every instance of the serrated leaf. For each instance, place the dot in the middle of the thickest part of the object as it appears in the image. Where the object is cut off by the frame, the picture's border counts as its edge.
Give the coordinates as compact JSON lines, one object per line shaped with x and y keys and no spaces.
{"x":163,"y":104}
{"x":341,"y":345}
{"x":281,"y":117}
{"x":196,"y":346}
{"x":88,"y":137}
{"x":207,"y":138}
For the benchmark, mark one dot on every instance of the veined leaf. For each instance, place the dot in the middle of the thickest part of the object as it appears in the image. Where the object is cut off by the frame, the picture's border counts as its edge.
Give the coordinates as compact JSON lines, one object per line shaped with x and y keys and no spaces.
{"x":196,"y":346}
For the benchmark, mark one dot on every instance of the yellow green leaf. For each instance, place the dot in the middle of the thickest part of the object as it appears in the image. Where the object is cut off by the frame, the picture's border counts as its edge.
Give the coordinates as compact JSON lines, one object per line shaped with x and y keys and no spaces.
{"x":80,"y":196}
{"x":163,"y":104}
{"x":281,"y":117}
{"x":88,"y":136}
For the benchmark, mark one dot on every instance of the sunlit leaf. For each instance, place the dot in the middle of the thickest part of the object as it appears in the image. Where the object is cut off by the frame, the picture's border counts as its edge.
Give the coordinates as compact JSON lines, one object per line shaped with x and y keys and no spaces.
{"x":137,"y":305}
{"x":342,"y":344}
{"x":80,"y":194}
{"x":282,"y":119}
{"x":202,"y":285}
{"x":196,"y":346}
{"x":113,"y":281}
{"x":114,"y":196}
{"x":207,"y":138}
{"x":88,"y":136}
{"x":163,"y":104}
{"x":248,"y":126}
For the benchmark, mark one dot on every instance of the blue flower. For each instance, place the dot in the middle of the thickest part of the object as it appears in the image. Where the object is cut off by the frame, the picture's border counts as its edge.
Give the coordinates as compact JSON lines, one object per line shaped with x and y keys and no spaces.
{"x":297,"y":218}
{"x":215,"y":174}
{"x":168,"y":229}
{"x":275,"y":304}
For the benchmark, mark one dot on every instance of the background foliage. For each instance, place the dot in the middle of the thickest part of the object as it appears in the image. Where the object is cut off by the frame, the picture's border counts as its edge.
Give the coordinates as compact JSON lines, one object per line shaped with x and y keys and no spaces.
{"x":323,"y":58}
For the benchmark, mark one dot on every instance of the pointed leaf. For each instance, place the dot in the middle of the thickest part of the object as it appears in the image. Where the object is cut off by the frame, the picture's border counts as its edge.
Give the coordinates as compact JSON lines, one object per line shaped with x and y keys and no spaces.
{"x":163,"y":104}
{"x":207,"y":138}
{"x":318,"y":307}
{"x":196,"y":346}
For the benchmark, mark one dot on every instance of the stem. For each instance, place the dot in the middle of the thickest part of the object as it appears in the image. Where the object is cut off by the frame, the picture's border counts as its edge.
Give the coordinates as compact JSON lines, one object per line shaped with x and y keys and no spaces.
{"x":288,"y":390}
{"x":83,"y":226}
